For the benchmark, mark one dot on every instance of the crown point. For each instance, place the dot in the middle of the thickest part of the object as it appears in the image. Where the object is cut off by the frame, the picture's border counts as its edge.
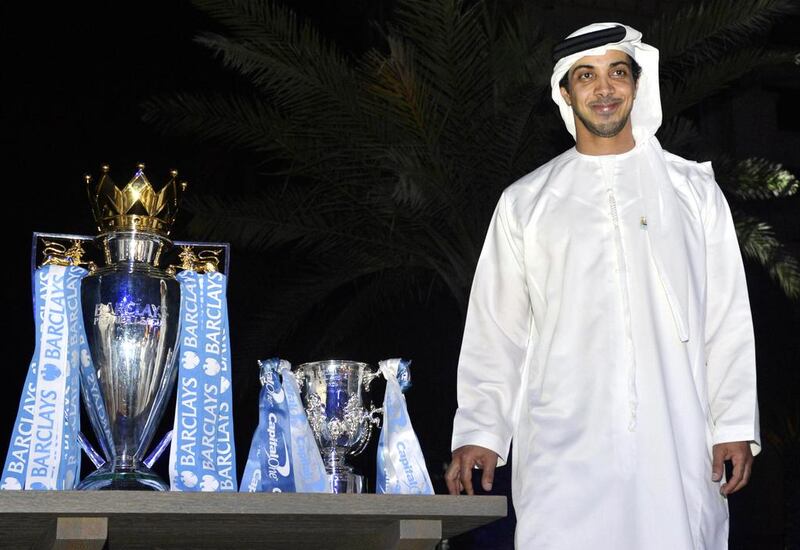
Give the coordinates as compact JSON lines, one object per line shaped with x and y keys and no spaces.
{"x":105,"y":168}
{"x":173,"y":173}
{"x":88,"y":178}
{"x":184,"y":185}
{"x":140,"y":166}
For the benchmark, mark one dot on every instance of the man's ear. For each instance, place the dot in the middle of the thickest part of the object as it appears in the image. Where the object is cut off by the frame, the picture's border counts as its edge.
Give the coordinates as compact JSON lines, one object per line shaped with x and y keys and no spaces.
{"x":565,"y":95}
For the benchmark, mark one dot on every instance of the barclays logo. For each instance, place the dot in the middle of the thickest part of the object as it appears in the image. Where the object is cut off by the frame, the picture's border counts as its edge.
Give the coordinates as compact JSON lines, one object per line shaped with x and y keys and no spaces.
{"x":189,"y":479}
{"x":11,"y":484}
{"x":128,"y":313}
{"x":211,"y":366}
{"x":189,"y":360}
{"x":50,"y":372}
{"x":209,"y":483}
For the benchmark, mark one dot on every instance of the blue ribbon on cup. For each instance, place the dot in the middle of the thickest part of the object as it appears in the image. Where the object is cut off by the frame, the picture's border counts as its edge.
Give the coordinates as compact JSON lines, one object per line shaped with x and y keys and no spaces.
{"x":400,"y":466}
{"x":269,"y":464}
{"x":284,"y":456}
{"x":309,"y":470}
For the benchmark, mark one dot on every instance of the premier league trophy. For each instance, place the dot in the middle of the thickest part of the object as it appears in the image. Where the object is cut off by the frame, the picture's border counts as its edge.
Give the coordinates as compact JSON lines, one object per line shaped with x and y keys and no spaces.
{"x":131,"y":318}
{"x":342,"y":427}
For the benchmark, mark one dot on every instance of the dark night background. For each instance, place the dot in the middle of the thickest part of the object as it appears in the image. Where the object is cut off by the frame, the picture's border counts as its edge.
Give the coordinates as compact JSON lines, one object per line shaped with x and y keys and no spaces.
{"x":74,"y":76}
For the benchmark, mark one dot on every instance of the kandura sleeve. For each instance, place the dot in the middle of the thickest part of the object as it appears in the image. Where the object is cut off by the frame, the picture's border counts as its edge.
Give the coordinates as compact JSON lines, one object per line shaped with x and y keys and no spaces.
{"x":729,"y":340}
{"x":496,"y":336}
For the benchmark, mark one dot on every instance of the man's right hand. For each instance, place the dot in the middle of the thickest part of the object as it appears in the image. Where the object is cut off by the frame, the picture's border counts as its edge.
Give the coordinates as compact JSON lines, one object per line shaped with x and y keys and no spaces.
{"x":465,"y":459}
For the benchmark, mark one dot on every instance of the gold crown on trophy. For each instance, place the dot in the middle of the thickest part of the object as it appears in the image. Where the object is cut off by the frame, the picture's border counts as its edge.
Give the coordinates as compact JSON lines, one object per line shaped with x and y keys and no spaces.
{"x":137,"y":206}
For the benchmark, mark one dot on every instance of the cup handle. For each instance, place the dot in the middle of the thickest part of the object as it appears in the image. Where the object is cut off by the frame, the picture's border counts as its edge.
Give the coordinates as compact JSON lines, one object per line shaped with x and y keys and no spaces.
{"x":371,"y":418}
{"x":368,"y":377}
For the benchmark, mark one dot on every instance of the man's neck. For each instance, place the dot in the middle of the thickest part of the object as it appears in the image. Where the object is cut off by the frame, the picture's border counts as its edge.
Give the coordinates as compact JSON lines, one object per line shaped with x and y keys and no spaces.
{"x":588,"y":143}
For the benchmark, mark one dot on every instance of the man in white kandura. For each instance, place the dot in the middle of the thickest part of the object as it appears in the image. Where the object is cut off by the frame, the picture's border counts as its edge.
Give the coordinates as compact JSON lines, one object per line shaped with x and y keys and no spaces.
{"x":609,"y":333}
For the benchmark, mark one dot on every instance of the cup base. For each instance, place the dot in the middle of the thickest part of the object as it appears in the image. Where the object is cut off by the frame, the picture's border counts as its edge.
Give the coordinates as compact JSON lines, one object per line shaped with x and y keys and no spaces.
{"x":140,"y":478}
{"x":346,"y":482}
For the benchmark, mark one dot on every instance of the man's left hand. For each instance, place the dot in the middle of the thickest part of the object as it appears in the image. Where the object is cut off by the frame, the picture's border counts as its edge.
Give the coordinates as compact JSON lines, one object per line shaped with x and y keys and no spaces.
{"x":738,"y":452}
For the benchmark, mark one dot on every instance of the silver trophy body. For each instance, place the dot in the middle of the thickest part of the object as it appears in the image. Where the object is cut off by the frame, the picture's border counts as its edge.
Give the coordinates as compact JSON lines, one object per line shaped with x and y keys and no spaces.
{"x":131,"y":318}
{"x":342,"y":426}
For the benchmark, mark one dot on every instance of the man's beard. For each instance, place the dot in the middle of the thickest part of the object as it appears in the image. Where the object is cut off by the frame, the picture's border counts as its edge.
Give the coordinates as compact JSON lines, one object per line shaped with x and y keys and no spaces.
{"x":605,"y":130}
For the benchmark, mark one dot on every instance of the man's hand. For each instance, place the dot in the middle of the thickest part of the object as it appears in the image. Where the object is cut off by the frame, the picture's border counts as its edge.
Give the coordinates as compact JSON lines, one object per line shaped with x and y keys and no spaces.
{"x":459,"y":474}
{"x":738,"y":452}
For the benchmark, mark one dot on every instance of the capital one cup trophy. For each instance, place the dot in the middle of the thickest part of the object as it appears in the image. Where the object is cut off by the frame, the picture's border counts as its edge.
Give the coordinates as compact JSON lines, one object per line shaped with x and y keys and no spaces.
{"x":342,"y":426}
{"x":131,"y":318}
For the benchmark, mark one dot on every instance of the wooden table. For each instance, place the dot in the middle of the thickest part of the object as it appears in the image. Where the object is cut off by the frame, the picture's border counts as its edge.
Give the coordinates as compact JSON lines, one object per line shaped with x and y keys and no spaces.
{"x":134,"y":519}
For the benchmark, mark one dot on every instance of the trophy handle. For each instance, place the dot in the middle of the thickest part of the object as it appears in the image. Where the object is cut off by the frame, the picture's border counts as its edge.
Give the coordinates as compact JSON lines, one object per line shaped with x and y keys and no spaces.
{"x":371,"y":418}
{"x":90,"y":451}
{"x":368,"y":377}
{"x":159,"y":450}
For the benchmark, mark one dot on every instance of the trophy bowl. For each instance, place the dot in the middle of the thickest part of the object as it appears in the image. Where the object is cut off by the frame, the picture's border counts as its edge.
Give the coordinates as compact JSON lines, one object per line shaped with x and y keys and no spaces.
{"x":332,"y":395}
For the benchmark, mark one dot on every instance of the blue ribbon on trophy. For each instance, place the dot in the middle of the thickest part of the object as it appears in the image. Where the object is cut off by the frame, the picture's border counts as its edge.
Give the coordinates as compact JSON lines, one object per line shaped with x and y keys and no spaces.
{"x":202,"y":454}
{"x":400,"y":466}
{"x":44,"y":451}
{"x":133,"y":340}
{"x":284,"y":456}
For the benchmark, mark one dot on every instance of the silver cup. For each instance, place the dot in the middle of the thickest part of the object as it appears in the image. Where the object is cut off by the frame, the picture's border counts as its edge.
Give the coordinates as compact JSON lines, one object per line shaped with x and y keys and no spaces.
{"x":342,"y":426}
{"x":131,"y":317}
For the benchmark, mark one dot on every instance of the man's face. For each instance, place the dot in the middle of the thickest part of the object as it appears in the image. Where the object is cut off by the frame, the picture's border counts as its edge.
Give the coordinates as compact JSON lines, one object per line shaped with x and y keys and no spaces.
{"x":601,"y":92}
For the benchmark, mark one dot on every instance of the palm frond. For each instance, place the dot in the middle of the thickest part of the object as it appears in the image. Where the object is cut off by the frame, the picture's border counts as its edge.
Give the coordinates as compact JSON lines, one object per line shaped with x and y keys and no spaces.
{"x":238,"y":120}
{"x":760,"y":179}
{"x":366,"y":302}
{"x":709,"y":28}
{"x":698,"y":83}
{"x":758,"y":242}
{"x":394,"y":159}
{"x":277,"y":50}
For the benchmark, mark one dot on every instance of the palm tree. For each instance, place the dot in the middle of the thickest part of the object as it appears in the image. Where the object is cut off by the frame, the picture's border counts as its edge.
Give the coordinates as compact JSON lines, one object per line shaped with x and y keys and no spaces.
{"x":376,"y":172}
{"x":391,"y":162}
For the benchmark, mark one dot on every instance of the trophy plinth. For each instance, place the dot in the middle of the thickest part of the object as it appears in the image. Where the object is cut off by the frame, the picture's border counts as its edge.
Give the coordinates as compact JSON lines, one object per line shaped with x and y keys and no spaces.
{"x":341,"y":477}
{"x":342,"y":427}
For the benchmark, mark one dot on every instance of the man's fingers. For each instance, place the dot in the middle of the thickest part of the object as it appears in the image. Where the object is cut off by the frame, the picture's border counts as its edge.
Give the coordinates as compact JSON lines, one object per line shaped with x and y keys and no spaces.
{"x":465,"y":460}
{"x":451,"y":477}
{"x":465,"y":476}
{"x":743,"y":464}
{"x":488,"y":476}
{"x":741,"y":458}
{"x":718,"y":464}
{"x":748,"y":468}
{"x":730,"y":486}
{"x":452,"y":486}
